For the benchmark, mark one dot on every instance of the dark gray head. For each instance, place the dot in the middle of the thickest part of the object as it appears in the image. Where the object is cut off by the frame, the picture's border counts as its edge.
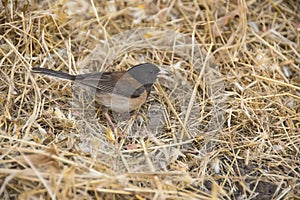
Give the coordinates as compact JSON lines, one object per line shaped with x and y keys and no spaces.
{"x":145,"y":73}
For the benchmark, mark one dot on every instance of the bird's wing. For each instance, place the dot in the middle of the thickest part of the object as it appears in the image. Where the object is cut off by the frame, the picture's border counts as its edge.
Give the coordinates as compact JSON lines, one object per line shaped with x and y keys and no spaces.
{"x":112,"y":82}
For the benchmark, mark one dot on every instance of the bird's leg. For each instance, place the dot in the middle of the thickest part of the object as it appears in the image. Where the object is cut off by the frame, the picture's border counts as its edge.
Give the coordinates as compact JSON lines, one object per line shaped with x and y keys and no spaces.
{"x":135,"y":115}
{"x":112,"y":125}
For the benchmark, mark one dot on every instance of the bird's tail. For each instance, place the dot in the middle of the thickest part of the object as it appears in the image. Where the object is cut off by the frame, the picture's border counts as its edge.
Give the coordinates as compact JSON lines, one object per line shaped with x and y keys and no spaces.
{"x":53,"y":73}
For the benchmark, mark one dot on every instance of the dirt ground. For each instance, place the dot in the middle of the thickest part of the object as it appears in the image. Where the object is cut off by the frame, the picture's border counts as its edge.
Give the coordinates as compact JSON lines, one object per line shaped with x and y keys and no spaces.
{"x":225,"y":123}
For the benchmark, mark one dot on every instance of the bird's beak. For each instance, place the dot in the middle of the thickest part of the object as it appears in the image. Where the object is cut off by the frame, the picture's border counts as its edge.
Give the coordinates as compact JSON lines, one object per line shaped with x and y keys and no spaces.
{"x":163,"y":74}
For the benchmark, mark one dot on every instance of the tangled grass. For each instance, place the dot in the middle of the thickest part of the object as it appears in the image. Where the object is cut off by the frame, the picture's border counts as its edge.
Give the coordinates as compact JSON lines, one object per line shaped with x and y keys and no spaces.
{"x":228,"y":118}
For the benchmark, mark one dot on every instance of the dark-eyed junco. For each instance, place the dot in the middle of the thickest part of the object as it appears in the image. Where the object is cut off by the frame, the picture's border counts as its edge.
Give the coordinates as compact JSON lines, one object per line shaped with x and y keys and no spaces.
{"x":121,"y":91}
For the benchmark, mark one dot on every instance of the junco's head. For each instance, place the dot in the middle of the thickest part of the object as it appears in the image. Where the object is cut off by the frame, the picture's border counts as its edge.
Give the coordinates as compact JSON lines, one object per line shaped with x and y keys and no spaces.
{"x":146,"y":73}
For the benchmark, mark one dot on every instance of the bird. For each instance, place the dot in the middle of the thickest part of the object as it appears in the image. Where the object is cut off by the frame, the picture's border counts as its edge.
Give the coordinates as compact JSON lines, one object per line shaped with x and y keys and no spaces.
{"x":119,"y":91}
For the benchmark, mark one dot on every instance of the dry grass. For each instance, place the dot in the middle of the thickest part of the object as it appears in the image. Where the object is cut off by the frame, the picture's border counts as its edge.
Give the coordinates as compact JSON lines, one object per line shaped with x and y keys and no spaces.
{"x":228,"y":130}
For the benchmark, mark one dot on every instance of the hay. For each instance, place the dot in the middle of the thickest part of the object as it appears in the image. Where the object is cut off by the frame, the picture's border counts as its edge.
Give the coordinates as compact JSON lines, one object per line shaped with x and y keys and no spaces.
{"x":225,"y":125}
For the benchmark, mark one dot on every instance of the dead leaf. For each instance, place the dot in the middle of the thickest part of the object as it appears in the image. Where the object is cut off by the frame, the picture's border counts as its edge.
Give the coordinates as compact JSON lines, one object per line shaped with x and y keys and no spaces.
{"x":40,"y":160}
{"x":223,"y":21}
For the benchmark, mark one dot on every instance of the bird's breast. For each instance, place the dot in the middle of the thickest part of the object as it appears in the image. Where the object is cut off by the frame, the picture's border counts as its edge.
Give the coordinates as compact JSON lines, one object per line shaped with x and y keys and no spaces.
{"x":120,"y":103}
